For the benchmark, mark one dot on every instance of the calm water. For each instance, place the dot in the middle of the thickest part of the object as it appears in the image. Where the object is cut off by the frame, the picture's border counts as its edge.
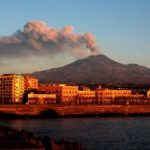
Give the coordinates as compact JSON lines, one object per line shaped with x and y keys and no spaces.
{"x":95,"y":133}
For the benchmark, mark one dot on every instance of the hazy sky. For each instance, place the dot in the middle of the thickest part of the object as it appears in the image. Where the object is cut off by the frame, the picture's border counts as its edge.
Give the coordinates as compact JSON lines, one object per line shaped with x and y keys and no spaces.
{"x":121,"y":29}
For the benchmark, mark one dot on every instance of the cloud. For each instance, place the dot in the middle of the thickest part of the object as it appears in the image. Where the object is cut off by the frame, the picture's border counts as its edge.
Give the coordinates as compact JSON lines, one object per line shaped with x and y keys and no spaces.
{"x":37,"y":38}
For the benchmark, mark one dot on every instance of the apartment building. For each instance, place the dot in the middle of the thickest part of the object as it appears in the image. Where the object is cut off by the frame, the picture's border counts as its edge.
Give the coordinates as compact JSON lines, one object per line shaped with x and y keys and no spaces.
{"x":148,"y":94}
{"x":41,"y":98}
{"x":11,"y":88}
{"x":112,"y":94}
{"x":30,"y":82}
{"x":64,"y":93}
{"x":86,"y":96}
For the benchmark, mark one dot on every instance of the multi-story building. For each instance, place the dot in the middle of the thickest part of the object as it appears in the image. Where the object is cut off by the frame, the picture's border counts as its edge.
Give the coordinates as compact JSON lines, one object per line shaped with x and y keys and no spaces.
{"x":148,"y":94}
{"x":64,"y":93}
{"x":86,"y":96}
{"x":30,"y":82}
{"x":112,"y":94}
{"x":11,"y":88}
{"x":41,"y":98}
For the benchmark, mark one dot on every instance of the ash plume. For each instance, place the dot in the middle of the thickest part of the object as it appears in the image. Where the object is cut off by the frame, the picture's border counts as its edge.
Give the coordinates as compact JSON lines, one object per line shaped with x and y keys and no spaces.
{"x":36,"y":38}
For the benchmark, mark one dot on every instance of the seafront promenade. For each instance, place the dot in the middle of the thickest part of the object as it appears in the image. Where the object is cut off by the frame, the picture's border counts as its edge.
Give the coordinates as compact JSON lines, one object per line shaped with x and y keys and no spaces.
{"x":8,"y":111}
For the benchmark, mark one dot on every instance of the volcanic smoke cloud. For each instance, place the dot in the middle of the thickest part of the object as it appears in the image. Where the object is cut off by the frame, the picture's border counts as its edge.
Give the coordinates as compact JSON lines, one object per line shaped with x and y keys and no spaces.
{"x":38,"y":39}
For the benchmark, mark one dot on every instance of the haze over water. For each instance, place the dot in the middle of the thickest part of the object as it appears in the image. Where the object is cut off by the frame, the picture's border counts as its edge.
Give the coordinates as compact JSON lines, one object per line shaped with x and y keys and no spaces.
{"x":95,"y":133}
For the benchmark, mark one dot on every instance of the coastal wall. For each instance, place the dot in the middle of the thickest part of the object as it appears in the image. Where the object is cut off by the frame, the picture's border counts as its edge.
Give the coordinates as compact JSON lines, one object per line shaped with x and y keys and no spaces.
{"x":81,"y":110}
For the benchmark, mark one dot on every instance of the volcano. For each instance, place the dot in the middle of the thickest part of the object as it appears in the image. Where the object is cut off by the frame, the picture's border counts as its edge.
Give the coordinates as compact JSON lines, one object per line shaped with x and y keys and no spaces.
{"x":97,"y":69}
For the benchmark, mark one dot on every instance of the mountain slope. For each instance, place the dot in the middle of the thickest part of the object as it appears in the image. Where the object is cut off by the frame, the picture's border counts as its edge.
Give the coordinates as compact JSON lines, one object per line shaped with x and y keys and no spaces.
{"x":96,"y":69}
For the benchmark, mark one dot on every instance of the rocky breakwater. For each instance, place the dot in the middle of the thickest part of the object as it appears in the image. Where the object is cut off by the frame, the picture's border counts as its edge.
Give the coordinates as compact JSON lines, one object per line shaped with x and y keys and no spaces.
{"x":23,"y":140}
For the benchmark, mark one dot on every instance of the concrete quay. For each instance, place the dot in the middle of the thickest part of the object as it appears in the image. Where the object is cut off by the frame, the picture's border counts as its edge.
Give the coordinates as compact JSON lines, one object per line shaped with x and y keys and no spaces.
{"x":54,"y":110}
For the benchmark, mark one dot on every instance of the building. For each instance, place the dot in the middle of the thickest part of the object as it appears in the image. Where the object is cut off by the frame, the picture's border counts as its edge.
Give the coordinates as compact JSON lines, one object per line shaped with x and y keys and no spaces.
{"x":148,"y":94}
{"x":11,"y":88}
{"x":86,"y":96}
{"x":64,"y":93}
{"x":41,"y":98}
{"x":30,"y":82}
{"x":112,"y":94}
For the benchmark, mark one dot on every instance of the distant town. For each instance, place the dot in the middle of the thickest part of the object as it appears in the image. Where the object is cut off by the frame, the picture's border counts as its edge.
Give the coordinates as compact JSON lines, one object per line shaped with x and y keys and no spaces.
{"x":25,"y":89}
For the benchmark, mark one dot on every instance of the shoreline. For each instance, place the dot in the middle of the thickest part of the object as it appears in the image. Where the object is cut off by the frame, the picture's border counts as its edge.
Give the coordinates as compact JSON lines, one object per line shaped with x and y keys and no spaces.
{"x":60,"y":111}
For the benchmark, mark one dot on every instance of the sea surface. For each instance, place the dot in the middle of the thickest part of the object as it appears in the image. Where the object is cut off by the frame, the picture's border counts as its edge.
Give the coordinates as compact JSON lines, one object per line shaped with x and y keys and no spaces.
{"x":109,"y":133}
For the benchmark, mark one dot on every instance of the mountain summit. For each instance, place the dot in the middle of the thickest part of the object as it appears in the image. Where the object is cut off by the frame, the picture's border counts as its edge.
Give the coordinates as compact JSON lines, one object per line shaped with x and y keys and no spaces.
{"x":97,"y":69}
